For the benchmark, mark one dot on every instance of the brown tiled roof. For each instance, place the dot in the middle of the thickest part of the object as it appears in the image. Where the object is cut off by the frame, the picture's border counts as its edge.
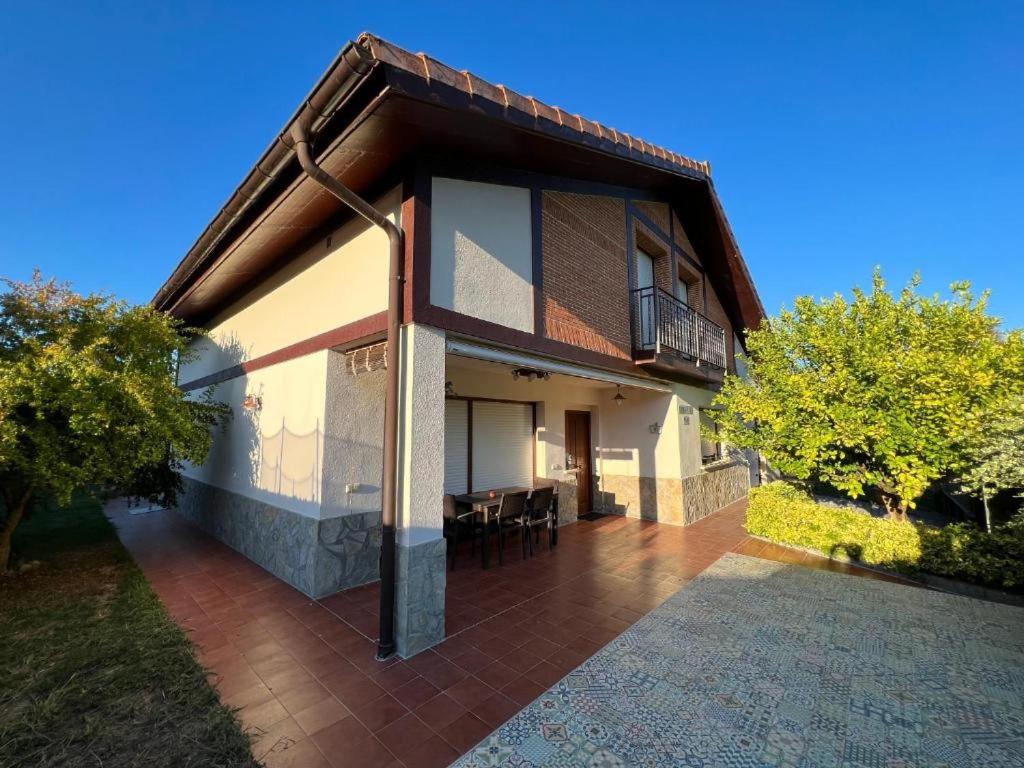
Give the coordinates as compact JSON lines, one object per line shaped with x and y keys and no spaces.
{"x":422,"y":65}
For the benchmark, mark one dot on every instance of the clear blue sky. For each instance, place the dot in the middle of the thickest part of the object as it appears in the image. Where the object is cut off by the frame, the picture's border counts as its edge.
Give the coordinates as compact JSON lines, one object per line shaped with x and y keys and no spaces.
{"x":840,"y":137}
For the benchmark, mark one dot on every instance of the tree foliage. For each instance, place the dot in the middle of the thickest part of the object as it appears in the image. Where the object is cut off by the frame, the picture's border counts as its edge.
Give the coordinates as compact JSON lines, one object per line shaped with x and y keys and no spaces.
{"x":879,"y":394}
{"x":997,"y":449}
{"x":88,"y":397}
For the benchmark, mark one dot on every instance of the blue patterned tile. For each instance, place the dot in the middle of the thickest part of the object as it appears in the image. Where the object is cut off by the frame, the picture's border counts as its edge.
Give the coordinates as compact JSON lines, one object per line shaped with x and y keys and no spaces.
{"x":758,"y":664}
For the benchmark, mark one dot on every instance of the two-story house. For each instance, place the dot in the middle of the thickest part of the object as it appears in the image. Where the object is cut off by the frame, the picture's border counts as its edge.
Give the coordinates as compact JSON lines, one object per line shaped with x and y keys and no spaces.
{"x":564,"y":300}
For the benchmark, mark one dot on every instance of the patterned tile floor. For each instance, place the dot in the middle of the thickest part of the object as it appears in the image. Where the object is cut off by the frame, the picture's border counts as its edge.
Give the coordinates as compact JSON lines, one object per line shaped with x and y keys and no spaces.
{"x":303,"y":672}
{"x":760,"y":663}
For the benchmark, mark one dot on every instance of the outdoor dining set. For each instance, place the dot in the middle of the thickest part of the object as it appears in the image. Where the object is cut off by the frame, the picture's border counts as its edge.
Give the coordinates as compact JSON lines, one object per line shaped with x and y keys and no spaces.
{"x":504,"y":512}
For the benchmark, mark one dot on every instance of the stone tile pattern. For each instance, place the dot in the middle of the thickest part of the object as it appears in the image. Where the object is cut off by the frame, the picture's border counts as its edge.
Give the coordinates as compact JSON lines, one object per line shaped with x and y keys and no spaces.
{"x":713,"y":489}
{"x":673,"y":501}
{"x":419,"y":598}
{"x":317,"y":557}
{"x":757,"y":663}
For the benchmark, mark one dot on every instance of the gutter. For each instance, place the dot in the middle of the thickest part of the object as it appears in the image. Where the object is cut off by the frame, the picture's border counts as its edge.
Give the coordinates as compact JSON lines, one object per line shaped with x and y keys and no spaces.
{"x":347,"y":71}
{"x":396,"y":241}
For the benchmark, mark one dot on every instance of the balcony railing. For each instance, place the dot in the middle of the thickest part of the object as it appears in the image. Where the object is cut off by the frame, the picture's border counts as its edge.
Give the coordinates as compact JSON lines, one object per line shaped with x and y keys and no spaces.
{"x":662,"y":323}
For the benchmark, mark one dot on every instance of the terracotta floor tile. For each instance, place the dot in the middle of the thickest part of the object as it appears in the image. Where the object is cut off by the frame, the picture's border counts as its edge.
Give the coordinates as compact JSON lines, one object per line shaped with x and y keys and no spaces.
{"x":363,"y":752}
{"x":380,"y":712}
{"x":415,"y":692}
{"x":545,"y":674}
{"x":354,"y":691}
{"x":523,"y":690}
{"x":473,"y":660}
{"x":444,"y":675}
{"x":465,"y":732}
{"x":302,"y":696}
{"x":435,"y":752}
{"x":262,"y":716}
{"x":320,"y":715}
{"x":394,"y":676}
{"x":278,"y":738}
{"x":440,"y":711}
{"x":496,"y":710}
{"x":469,"y":692}
{"x":300,"y":754}
{"x":405,"y":736}
{"x":521,"y":660}
{"x":498,"y":674}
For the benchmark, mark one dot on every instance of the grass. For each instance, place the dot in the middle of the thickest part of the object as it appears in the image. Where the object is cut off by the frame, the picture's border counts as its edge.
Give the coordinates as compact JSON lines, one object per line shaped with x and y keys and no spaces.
{"x":93,"y":672}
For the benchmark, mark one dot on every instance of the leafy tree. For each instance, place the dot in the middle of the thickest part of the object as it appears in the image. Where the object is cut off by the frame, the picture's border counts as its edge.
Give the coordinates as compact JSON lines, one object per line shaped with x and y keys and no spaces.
{"x":88,"y":398}
{"x":996,"y":449}
{"x":875,"y":395}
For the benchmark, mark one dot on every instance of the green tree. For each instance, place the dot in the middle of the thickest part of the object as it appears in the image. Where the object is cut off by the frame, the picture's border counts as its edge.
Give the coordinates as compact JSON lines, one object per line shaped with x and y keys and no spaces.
{"x":996,"y":450}
{"x":88,"y":398}
{"x":875,"y":395}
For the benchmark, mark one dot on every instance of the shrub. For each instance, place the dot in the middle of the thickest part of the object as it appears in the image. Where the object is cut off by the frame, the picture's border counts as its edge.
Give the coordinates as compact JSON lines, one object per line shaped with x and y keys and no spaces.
{"x":782,"y":513}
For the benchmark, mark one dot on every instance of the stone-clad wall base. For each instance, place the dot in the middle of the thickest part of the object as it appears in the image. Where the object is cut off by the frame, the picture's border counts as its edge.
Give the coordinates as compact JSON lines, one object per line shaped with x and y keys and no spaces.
{"x":672,"y":501}
{"x":567,"y":499}
{"x":713,"y":489}
{"x":317,"y":557}
{"x":419,"y":596}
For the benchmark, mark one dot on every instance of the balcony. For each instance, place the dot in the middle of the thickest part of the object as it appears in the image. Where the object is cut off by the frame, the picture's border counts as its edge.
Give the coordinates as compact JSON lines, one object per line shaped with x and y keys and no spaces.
{"x":670,"y":334}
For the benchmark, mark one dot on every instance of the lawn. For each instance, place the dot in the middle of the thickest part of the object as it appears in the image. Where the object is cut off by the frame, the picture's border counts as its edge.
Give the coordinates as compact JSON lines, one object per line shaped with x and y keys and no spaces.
{"x":93,"y":671}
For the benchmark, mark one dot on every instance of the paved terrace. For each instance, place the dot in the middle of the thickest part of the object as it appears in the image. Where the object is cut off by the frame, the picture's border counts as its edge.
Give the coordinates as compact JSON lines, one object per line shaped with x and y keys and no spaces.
{"x":303,"y":672}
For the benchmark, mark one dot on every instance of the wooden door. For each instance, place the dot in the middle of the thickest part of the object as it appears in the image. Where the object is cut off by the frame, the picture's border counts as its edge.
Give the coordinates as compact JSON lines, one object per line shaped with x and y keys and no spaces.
{"x":577,"y":457}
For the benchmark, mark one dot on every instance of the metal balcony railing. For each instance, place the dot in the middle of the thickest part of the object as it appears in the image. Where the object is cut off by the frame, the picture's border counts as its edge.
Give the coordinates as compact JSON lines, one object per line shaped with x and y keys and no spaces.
{"x":662,"y":323}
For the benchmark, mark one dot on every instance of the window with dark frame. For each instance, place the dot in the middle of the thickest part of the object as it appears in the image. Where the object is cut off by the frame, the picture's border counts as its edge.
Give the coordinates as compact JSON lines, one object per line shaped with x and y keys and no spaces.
{"x":710,"y":450}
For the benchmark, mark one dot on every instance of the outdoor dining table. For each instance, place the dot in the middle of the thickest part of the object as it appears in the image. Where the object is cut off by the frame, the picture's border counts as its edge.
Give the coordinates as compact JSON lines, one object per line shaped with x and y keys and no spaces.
{"x":485,"y":504}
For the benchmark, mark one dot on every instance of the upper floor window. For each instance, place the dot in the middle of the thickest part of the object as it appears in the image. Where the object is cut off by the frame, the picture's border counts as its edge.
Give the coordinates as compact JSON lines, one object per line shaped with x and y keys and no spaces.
{"x":644,"y":269}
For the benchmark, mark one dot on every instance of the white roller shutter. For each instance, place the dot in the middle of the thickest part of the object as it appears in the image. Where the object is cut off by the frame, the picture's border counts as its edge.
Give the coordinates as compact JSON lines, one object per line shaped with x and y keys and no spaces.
{"x":456,"y":446}
{"x":502,"y":445}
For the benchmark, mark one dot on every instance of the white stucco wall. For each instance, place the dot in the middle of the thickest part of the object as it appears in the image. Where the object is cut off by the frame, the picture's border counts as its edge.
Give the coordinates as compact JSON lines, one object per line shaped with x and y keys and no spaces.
{"x":273,"y":454}
{"x":421,"y":435}
{"x":353,"y":440}
{"x":689,"y":433}
{"x":629,"y":447}
{"x":481,"y":261}
{"x":322,"y":289}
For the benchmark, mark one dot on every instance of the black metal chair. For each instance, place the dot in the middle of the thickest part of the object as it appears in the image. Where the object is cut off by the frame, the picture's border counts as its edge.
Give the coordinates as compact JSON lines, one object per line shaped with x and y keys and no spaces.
{"x":539,"y":512}
{"x":511,"y":511}
{"x":454,"y":518}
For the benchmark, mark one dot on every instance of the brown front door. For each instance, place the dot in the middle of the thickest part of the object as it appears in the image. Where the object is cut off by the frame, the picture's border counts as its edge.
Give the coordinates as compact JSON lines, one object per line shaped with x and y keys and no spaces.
{"x":577,"y":456}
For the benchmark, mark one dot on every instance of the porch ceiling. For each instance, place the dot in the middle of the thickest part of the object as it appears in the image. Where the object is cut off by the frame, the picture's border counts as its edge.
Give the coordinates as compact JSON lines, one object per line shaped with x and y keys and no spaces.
{"x":501,"y":359}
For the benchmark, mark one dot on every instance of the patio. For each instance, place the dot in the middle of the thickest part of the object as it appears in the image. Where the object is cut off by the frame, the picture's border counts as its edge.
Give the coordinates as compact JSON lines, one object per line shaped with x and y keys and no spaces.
{"x":303,"y":672}
{"x":757,"y":663}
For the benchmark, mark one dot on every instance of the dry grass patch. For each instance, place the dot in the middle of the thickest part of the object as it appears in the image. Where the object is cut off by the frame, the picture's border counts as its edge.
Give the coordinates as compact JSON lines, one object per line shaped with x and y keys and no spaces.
{"x":93,"y":671}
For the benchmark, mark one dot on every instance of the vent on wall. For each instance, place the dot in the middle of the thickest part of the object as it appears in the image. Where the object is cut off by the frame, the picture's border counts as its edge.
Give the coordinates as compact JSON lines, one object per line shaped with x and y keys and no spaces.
{"x":366,"y":359}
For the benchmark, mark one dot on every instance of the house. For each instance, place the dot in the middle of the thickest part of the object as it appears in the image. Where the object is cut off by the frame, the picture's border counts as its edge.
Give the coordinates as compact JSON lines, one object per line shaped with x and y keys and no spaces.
{"x":529,"y":296}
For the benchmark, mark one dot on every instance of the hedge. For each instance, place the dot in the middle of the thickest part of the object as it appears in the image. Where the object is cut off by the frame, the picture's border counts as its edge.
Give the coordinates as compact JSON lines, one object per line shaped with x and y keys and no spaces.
{"x":786,"y":515}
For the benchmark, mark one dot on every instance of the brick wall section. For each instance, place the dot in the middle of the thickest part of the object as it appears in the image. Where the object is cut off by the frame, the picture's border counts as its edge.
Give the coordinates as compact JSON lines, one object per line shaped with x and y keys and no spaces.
{"x":679,"y":235}
{"x":585,"y":274}
{"x":656,"y":212}
{"x":716,"y":314}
